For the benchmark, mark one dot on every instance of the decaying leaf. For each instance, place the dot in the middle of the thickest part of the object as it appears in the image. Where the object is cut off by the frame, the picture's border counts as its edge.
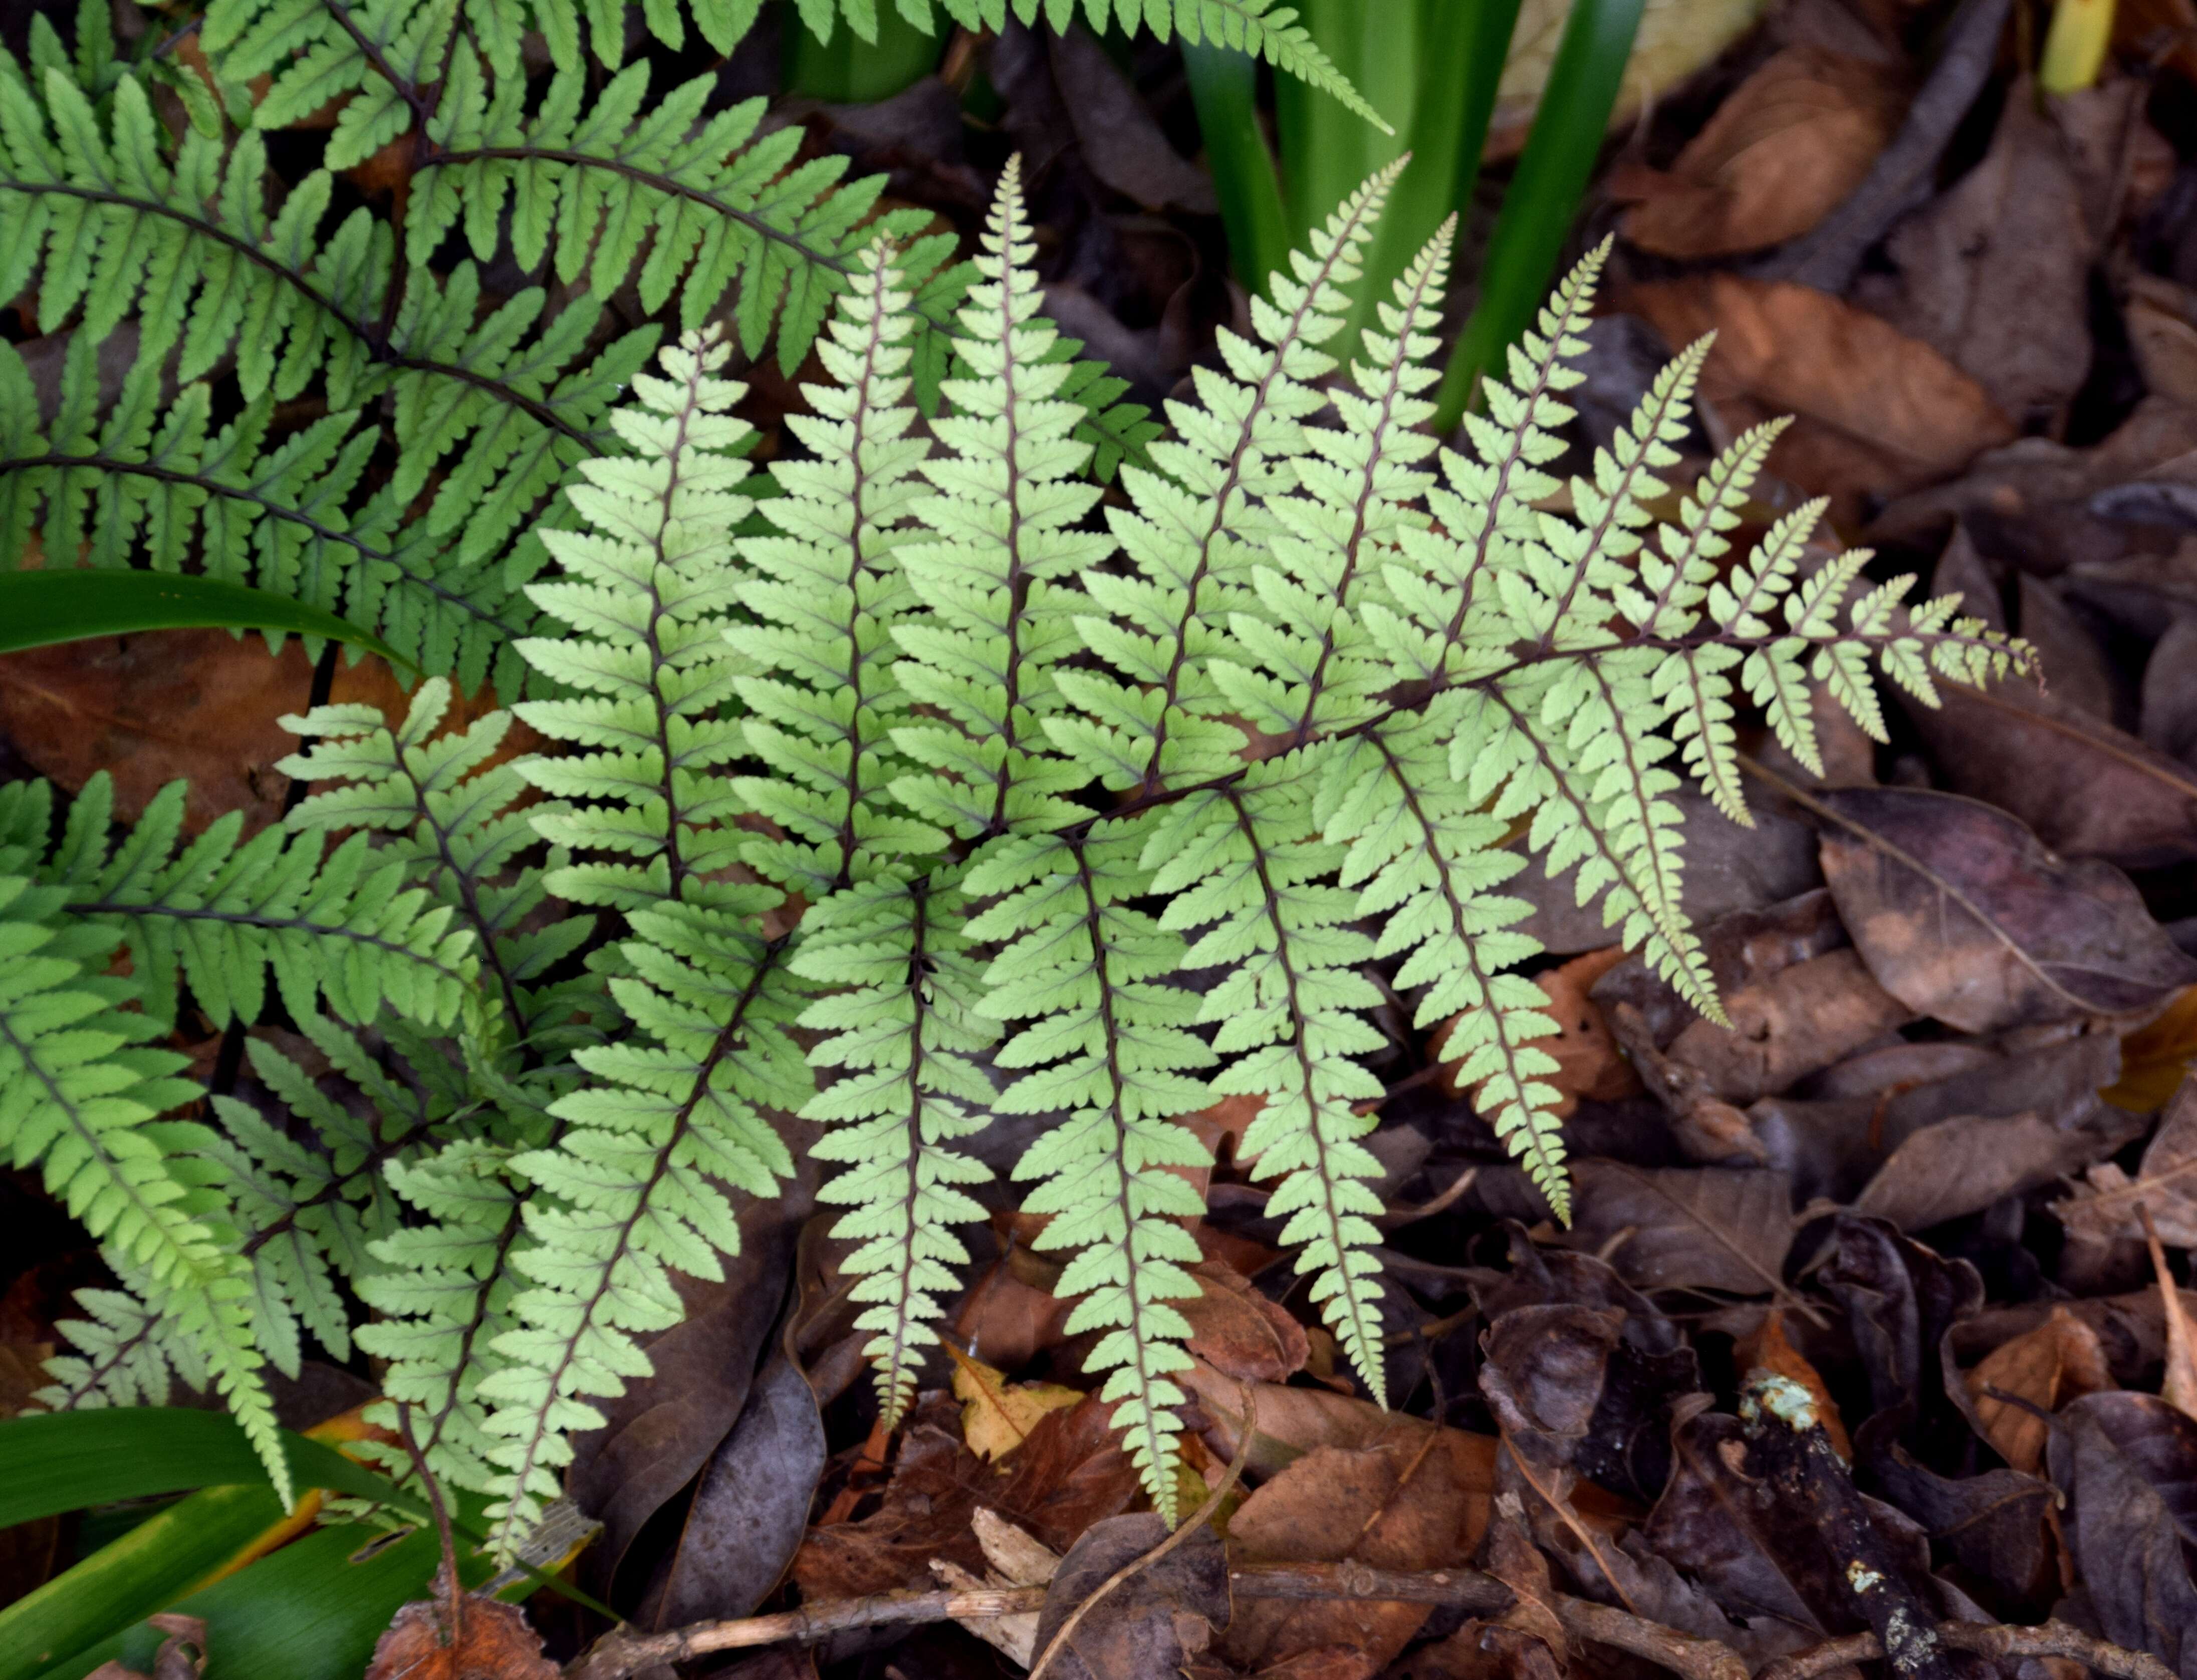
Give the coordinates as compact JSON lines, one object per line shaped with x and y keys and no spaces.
{"x":1995,"y":273}
{"x":1783,"y":147}
{"x":2128,"y":1466}
{"x":1962,"y":915}
{"x":1153,"y":1621}
{"x":1676,"y":38}
{"x":2058,"y":1361}
{"x":1238,"y":1331}
{"x":1687,"y":1228}
{"x":1964,"y":1164}
{"x":2111,"y":1205}
{"x":458,"y":1636}
{"x":1877,"y":412}
{"x":997,"y":1416}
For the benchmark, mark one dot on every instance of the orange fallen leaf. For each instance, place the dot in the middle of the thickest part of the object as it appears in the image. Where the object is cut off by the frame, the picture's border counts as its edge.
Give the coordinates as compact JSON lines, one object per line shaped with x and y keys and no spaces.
{"x":1783,"y":150}
{"x":2179,"y":1388}
{"x":458,"y":1636}
{"x":998,"y":1416}
{"x":1589,"y":1062}
{"x":2058,"y":1361}
{"x":1768,"y":1349}
{"x":2157,"y":1058}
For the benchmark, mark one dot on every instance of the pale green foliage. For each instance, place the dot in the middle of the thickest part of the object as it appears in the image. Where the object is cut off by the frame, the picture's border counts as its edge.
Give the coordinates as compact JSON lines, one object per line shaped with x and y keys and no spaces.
{"x":915,"y":767}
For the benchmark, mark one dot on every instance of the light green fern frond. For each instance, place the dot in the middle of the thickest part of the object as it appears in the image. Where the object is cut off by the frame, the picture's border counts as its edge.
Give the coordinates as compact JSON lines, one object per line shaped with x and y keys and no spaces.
{"x":905,"y":1028}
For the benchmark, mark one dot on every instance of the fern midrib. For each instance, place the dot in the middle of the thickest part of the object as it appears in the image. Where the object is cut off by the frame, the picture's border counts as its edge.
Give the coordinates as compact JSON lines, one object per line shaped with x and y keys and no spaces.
{"x":337,"y":1185}
{"x":117,"y":465}
{"x":1018,"y":586}
{"x":102,"y":907}
{"x":857,"y":666}
{"x":484,"y":929}
{"x":1154,"y":1445}
{"x":1374,"y":458}
{"x":1231,"y":479}
{"x":514,"y":1222}
{"x":377,"y":344}
{"x":1459,"y":925}
{"x":1499,"y":495}
{"x":675,"y":861}
{"x":407,"y":91}
{"x":1332,"y":1215}
{"x":1667,"y":905}
{"x":95,"y":1377}
{"x":903,"y":1311}
{"x":720,"y":1047}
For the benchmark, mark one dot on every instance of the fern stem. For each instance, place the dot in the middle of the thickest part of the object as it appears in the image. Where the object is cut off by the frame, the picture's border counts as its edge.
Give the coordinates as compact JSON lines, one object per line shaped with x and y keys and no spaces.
{"x":408,"y":91}
{"x":245,"y":918}
{"x":338,"y":1185}
{"x":468,"y":887}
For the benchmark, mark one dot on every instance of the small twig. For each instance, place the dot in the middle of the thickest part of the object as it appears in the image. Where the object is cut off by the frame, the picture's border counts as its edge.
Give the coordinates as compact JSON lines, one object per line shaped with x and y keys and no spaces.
{"x":1399,"y":1216}
{"x":1994,"y":1642}
{"x":1136,"y":1566}
{"x":1827,"y":258}
{"x":1467,"y":1590}
{"x":625,"y":1651}
{"x":1636,"y":1635}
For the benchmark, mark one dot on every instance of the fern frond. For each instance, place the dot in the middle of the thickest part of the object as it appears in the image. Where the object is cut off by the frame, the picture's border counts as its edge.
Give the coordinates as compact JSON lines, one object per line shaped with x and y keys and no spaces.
{"x":1108,"y":1048}
{"x":84,"y":1091}
{"x":825,"y":593}
{"x":1200,"y":523}
{"x":995,"y":574}
{"x":648,"y":586}
{"x":126,"y":1353}
{"x":904,"y":1023}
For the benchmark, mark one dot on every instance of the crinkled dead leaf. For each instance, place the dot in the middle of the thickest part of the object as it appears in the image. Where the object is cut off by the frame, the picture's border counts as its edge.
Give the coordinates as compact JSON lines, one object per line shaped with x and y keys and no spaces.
{"x":2127,"y":1464}
{"x":1727,"y":1229}
{"x":2058,"y":1361}
{"x":1783,"y":148}
{"x":459,"y":1636}
{"x":1154,"y":1621}
{"x":1965,"y":1164}
{"x":1238,"y":1331}
{"x":2112,"y":1206}
{"x":998,"y":1416}
{"x":1994,"y":272}
{"x":1876,"y":412}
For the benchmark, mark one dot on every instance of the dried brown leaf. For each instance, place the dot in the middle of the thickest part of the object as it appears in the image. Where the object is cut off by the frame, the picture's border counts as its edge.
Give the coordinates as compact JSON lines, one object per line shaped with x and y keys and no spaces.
{"x":1238,"y":1331}
{"x":2110,"y":1205}
{"x":2058,"y":1361}
{"x":997,"y":1416}
{"x":490,"y":1641}
{"x":1589,"y":1062}
{"x":1785,"y":147}
{"x":1878,"y":413}
{"x":1768,"y":1348}
{"x":1962,"y":914}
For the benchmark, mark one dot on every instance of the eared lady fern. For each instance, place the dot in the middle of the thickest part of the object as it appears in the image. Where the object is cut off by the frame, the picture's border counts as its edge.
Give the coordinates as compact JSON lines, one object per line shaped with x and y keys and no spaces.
{"x":995,"y":799}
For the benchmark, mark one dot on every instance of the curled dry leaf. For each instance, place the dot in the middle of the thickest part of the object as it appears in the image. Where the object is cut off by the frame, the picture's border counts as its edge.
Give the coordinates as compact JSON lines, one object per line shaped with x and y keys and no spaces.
{"x":182,"y":1656}
{"x":1877,"y":412}
{"x":2058,"y":1361}
{"x":2127,"y":1464}
{"x":1962,"y":914}
{"x":1798,"y":1020}
{"x":1783,"y":148}
{"x":461,"y":1637}
{"x":1238,"y":1331}
{"x":2112,"y":1206}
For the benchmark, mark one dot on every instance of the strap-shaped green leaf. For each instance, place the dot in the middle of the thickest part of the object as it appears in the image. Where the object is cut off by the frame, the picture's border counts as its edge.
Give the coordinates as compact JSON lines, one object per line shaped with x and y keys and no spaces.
{"x":38,"y":609}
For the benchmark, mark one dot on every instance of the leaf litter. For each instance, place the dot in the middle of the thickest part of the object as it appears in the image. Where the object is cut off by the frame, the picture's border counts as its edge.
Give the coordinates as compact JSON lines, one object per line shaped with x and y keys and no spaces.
{"x":1934,"y":1189}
